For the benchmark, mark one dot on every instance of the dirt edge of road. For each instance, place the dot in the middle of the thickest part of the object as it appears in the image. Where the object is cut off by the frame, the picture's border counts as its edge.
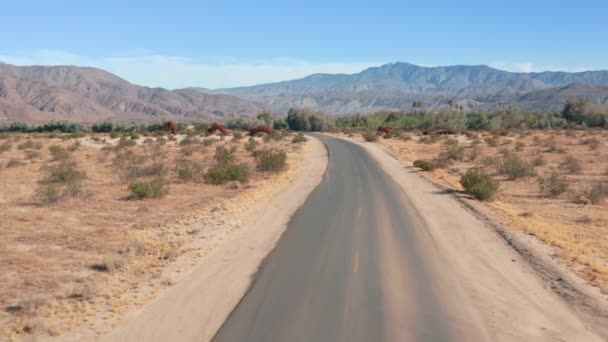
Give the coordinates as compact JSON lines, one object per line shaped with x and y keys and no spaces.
{"x":196,"y":307}
{"x":587,"y":301}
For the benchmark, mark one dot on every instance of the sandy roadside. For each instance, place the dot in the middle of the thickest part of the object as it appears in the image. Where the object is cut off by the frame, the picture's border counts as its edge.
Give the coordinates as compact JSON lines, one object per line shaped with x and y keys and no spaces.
{"x":494,"y":281}
{"x":197,"y":305}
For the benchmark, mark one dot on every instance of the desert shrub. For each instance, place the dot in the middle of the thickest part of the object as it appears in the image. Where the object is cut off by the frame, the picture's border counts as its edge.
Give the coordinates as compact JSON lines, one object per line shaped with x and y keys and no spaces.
{"x":266,"y":138}
{"x":479,"y":184}
{"x":134,"y":136}
{"x":124,"y":143}
{"x":251,"y":145}
{"x":153,"y":188}
{"x":514,"y":168}
{"x":369,"y":136}
{"x":425,"y":165}
{"x":493,"y":141}
{"x":6,"y":146}
{"x":58,"y":153}
{"x":224,"y":155}
{"x":538,"y":161}
{"x":189,"y":171}
{"x":114,"y":135}
{"x":551,"y":145}
{"x":429,"y":139}
{"x":271,"y":160}
{"x":593,"y":143}
{"x":48,"y":193}
{"x":597,"y":193}
{"x":74,"y":146}
{"x":237,"y":136}
{"x":29,"y":154}
{"x":102,"y":127}
{"x":189,"y":140}
{"x":553,"y":185}
{"x":130,"y":166}
{"x":571,"y":165}
{"x":406,"y":137}
{"x":29,"y":145}
{"x":63,"y":172}
{"x":570,"y":133}
{"x":474,"y":152}
{"x":519,"y":146}
{"x":452,"y":151}
{"x":298,"y":138}
{"x":13,"y":163}
{"x":73,"y":135}
{"x":224,"y":173}
{"x":208,"y":141}
{"x":489,"y":161}
{"x":188,"y":150}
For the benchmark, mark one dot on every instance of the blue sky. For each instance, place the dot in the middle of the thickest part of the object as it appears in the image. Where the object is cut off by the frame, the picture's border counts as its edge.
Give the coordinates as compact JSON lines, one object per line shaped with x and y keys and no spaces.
{"x":231,"y":43}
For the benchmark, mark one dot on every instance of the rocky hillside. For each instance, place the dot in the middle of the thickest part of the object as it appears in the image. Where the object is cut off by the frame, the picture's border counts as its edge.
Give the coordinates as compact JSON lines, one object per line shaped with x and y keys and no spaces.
{"x":41,"y":93}
{"x":397,"y":85}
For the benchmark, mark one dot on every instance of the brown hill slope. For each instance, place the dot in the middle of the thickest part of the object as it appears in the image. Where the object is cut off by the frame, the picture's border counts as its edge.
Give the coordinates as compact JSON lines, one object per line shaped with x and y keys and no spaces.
{"x":41,"y":93}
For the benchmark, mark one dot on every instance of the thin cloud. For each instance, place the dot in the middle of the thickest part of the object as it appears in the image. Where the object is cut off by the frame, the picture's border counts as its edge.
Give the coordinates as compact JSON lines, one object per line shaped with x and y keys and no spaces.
{"x":179,"y":72}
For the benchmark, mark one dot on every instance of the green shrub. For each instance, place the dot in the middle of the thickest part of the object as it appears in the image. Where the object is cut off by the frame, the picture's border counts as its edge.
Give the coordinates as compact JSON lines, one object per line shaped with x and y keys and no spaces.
{"x":266,"y":138}
{"x":370,"y":136}
{"x":251,"y":145}
{"x":189,"y":171}
{"x":208,"y":141}
{"x":114,"y":135}
{"x":299,"y":138}
{"x":63,"y":172}
{"x":236,"y":136}
{"x":224,"y":173}
{"x":479,"y":184}
{"x":224,"y":155}
{"x":189,"y":140}
{"x":154,"y":188}
{"x":425,"y":165}
{"x":271,"y":160}
{"x":553,"y":185}
{"x":514,"y":168}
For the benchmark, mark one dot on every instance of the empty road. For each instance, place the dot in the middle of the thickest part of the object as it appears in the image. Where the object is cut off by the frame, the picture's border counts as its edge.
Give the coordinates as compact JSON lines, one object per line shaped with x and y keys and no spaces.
{"x":357,"y":264}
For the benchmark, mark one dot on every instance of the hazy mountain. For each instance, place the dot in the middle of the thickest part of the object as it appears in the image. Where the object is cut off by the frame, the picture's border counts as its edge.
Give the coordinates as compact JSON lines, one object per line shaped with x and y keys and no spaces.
{"x":41,"y":93}
{"x":397,"y":85}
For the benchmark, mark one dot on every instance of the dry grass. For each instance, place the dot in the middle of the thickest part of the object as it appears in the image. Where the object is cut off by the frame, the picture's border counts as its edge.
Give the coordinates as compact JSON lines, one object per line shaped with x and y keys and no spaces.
{"x":99,"y":252}
{"x":553,"y":210}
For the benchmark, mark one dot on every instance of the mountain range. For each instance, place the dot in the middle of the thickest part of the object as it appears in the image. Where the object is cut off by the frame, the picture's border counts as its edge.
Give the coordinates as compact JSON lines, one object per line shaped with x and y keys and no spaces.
{"x":42,"y":93}
{"x":397,"y":85}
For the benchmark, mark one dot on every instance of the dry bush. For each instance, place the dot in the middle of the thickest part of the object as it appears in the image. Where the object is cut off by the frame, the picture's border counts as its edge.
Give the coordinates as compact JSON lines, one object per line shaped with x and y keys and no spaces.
{"x":58,"y":153}
{"x":519,"y":146}
{"x":593,"y":143}
{"x":597,"y":193}
{"x":251,"y":145}
{"x":13,"y":163}
{"x":236,"y":136}
{"x":153,"y":188}
{"x":271,"y":160}
{"x":189,"y":171}
{"x":493,"y":141}
{"x":514,"y":167}
{"x":538,"y":161}
{"x":571,"y":165}
{"x":553,"y":185}
{"x":224,"y":173}
{"x":479,"y":184}
{"x":6,"y":146}
{"x":189,"y":140}
{"x":224,"y":155}
{"x":425,"y":165}
{"x":299,"y":138}
{"x":29,"y":145}
{"x":124,"y":143}
{"x":474,"y":152}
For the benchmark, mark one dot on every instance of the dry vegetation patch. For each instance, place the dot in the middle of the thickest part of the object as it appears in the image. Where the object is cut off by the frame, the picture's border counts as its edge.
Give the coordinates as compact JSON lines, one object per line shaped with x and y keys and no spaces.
{"x":89,"y":224}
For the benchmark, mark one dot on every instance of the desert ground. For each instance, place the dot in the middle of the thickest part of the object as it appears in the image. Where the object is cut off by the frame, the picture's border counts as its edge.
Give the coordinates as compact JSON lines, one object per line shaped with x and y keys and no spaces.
{"x":79,"y":248}
{"x":573,"y":222}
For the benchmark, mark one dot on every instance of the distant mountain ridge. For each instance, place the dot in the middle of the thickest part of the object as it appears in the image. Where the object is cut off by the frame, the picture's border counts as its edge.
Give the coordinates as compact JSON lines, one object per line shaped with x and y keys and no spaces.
{"x":397,"y":85}
{"x":42,"y":93}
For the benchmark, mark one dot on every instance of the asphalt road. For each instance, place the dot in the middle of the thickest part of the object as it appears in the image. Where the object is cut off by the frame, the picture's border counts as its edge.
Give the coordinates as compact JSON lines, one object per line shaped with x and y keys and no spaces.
{"x":351,"y":266}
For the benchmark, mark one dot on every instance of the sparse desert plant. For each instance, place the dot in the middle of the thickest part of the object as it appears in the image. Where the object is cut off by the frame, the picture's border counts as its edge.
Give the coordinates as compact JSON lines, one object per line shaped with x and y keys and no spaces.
{"x":251,"y":145}
{"x":474,"y":152}
{"x":48,"y":193}
{"x":189,"y":140}
{"x":271,"y":160}
{"x":597,"y":193}
{"x":63,"y":172}
{"x":593,"y":143}
{"x":489,"y":161}
{"x":153,"y":188}
{"x":208,"y":141}
{"x":369,"y":136}
{"x":425,"y":165}
{"x":553,"y":185}
{"x":479,"y":184}
{"x":538,"y":161}
{"x":189,"y":171}
{"x":299,"y":138}
{"x":225,"y":155}
{"x":514,"y":167}
{"x":493,"y":141}
{"x":6,"y":146}
{"x":266,"y":139}
{"x":58,"y":153}
{"x":236,"y":136}
{"x":224,"y":173}
{"x":452,"y":151}
{"x":571,"y":165}
{"x":13,"y":163}
{"x":29,"y":154}
{"x":29,"y":145}
{"x":519,"y":146}
{"x":114,"y":135}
